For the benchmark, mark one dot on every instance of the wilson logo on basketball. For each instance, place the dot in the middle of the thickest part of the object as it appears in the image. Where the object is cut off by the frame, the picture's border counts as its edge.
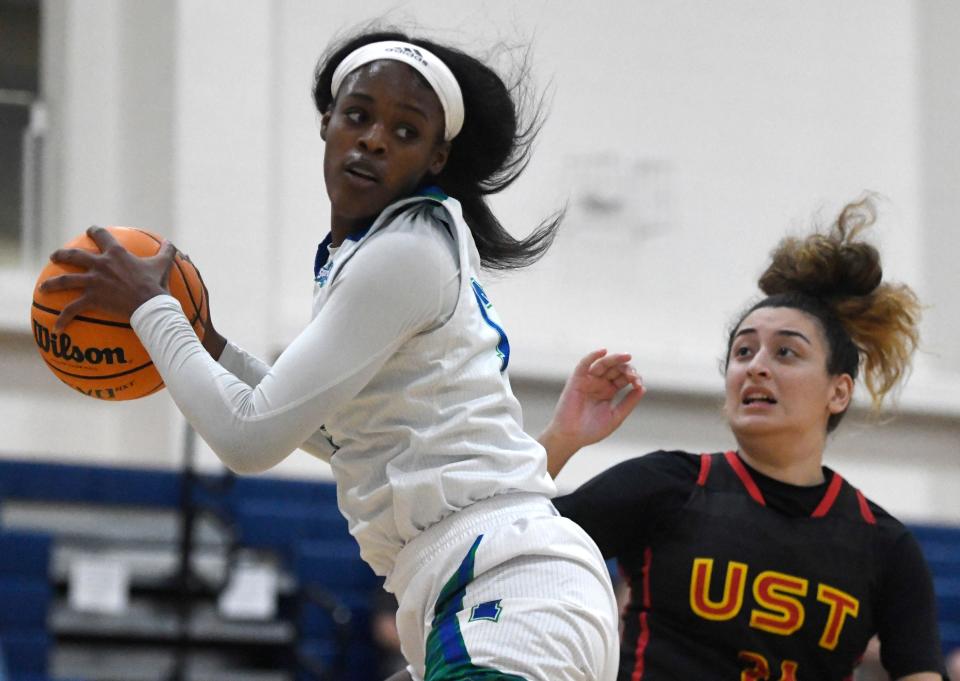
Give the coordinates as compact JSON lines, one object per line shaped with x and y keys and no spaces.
{"x":98,"y":354}
{"x":61,"y":345}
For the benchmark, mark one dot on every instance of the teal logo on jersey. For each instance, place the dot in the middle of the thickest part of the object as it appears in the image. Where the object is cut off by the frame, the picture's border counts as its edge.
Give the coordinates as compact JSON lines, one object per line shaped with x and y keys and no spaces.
{"x":486,"y":611}
{"x":503,"y":345}
{"x":323,"y":274}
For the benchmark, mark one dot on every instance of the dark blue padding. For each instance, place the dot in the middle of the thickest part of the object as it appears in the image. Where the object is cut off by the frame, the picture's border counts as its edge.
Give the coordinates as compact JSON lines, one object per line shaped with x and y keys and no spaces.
{"x":36,"y":481}
{"x":25,"y":601}
{"x":24,"y":553}
{"x":334,"y":564}
{"x":315,"y":621}
{"x":942,"y":557}
{"x":281,"y":525}
{"x":947,"y":533}
{"x":249,"y":488}
{"x":949,"y":636}
{"x":336,"y":567}
{"x":947,"y":590}
{"x":319,"y":651}
{"x":25,"y":652}
{"x":45,"y":481}
{"x":941,"y":548}
{"x":362,"y":657}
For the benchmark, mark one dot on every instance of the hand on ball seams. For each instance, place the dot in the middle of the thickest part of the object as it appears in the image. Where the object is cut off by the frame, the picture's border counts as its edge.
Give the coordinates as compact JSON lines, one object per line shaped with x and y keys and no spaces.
{"x":114,"y":281}
{"x":83,"y":301}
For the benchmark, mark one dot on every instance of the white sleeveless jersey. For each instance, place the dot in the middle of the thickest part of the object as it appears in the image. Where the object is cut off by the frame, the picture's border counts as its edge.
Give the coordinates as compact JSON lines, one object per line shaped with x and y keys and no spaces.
{"x":410,"y":385}
{"x":438,"y":427}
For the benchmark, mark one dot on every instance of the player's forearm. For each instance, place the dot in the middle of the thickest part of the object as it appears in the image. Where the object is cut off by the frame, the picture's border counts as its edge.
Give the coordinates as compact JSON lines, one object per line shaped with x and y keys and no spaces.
{"x":254,"y":424}
{"x":559,"y":450}
{"x":242,"y":364}
{"x":238,"y":425}
{"x":250,"y":429}
{"x":214,"y":343}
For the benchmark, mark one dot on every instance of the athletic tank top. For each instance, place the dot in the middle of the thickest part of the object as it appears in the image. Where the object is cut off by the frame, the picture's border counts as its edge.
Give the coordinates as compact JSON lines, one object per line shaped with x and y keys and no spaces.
{"x":733,"y":589}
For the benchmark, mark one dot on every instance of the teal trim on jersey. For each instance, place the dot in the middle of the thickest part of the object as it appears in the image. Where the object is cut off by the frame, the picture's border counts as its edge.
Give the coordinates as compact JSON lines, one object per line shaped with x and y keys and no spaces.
{"x":321,"y":266}
{"x":433,"y":192}
{"x":320,"y":259}
{"x":503,"y":345}
{"x":447,"y":655}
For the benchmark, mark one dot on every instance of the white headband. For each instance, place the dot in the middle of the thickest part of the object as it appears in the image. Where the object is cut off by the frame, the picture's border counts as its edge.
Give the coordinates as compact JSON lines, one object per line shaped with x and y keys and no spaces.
{"x":440,"y":78}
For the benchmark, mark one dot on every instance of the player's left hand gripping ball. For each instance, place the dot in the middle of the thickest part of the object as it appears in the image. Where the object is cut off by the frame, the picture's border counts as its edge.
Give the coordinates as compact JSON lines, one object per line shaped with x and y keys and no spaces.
{"x":98,"y":353}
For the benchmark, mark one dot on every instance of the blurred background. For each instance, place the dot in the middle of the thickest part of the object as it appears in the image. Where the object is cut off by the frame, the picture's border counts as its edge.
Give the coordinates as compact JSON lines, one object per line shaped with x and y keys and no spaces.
{"x":684,"y":138}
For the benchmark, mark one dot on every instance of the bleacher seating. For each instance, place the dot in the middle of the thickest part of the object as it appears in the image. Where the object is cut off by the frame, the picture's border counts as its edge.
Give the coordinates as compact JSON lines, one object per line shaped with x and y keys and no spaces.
{"x":265,"y":488}
{"x":25,"y":594}
{"x":331,"y":573}
{"x":262,"y":513}
{"x":299,"y":523}
{"x":941,"y":547}
{"x":280,"y":525}
{"x":28,"y":480}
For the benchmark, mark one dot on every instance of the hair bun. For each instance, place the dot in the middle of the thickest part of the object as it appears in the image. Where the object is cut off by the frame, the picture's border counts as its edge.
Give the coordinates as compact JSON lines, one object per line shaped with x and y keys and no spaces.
{"x":827,"y":266}
{"x":844,"y":272}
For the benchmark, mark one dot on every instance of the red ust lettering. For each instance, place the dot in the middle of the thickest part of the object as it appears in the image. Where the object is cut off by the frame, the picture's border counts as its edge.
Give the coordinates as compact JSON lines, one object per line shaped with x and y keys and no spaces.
{"x":733,"y":585}
{"x":774,"y":591}
{"x":841,"y":604}
{"x":780,"y":609}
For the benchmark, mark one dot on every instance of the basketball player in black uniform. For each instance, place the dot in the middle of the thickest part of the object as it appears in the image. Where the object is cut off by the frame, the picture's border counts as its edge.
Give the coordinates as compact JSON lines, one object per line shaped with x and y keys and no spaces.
{"x":762,"y":564}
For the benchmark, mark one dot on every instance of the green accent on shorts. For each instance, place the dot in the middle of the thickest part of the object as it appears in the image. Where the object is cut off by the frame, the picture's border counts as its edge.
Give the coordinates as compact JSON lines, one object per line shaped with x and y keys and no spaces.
{"x":447,"y":656}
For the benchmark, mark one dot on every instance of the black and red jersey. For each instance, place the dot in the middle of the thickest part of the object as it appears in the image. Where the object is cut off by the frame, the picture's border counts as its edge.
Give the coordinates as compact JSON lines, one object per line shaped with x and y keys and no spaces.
{"x":738,"y":576}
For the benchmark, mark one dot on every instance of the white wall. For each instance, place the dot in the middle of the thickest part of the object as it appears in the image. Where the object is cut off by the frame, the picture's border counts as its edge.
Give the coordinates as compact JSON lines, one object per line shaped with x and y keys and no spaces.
{"x":107,"y":82}
{"x":938,"y":28}
{"x":763,"y":115}
{"x":756,"y":120}
{"x":706,"y":130}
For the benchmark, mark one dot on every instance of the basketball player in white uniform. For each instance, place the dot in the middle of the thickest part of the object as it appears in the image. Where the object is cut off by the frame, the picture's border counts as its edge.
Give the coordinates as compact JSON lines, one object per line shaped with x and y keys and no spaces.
{"x":400,"y":383}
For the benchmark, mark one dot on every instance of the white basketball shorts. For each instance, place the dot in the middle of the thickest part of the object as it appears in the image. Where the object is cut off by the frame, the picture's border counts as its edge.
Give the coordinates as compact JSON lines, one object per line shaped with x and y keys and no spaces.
{"x":506,"y":589}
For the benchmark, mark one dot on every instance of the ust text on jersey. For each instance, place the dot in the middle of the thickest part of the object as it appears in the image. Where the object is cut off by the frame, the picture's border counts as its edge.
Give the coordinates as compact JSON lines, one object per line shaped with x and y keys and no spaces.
{"x":777,"y":607}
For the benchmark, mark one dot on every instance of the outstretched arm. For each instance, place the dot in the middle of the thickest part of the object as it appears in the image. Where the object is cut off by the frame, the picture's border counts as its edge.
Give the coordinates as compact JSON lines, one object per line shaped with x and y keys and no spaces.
{"x":587,"y":411}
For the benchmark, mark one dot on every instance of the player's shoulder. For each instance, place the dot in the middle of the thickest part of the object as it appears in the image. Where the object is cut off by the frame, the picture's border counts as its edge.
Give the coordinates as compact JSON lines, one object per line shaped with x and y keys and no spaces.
{"x":670,"y":462}
{"x":425,"y":214}
{"x":413,"y":228}
{"x":411,"y":243}
{"x":885,"y":520}
{"x":676,"y":458}
{"x":888,"y":527}
{"x":897,"y":546}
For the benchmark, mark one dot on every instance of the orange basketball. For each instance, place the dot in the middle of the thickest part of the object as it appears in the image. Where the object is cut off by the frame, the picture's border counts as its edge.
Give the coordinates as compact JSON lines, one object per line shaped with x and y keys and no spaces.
{"x":99,"y":354}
